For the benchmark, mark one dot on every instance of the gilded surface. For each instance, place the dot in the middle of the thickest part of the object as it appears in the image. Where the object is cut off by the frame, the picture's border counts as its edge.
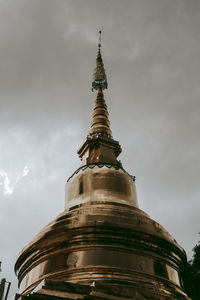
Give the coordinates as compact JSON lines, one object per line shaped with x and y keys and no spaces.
{"x":102,"y":246}
{"x":103,"y":241}
{"x":101,"y":184}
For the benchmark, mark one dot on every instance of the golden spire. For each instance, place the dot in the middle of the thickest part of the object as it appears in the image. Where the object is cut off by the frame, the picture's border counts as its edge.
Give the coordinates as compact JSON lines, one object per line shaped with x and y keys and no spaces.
{"x":99,"y":146}
{"x":99,"y":76}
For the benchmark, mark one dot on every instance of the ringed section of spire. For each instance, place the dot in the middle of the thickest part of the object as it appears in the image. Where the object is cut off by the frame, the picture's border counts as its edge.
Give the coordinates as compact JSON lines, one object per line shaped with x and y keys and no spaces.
{"x":99,"y":146}
{"x":100,"y":122}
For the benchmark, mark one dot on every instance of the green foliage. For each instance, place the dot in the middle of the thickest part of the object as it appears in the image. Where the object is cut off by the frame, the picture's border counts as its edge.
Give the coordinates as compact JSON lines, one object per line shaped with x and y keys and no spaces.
{"x":191,"y":275}
{"x":196,"y":259}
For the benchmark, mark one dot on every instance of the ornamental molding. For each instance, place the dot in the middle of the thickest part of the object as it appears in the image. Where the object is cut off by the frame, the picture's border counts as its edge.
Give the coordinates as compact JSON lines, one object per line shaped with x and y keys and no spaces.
{"x":116,"y":166}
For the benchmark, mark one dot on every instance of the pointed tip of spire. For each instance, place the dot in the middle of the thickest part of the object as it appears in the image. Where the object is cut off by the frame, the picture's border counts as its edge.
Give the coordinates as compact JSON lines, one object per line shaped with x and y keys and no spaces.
{"x":99,"y":77}
{"x":99,"y":45}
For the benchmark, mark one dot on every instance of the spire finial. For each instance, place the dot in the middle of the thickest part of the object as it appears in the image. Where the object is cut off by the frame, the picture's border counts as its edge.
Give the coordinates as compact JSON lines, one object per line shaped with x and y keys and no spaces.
{"x":99,"y":45}
{"x":99,"y":77}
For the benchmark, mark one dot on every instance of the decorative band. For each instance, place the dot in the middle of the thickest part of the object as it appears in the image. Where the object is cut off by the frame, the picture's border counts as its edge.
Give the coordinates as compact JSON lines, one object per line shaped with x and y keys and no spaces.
{"x":116,"y":166}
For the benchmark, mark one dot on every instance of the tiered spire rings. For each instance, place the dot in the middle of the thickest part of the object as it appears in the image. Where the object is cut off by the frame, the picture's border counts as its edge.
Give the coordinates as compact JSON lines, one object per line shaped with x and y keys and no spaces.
{"x":100,"y":123}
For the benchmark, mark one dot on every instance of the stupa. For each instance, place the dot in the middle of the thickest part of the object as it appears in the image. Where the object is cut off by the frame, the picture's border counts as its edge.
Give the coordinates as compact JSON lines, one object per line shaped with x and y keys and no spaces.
{"x":102,"y":246}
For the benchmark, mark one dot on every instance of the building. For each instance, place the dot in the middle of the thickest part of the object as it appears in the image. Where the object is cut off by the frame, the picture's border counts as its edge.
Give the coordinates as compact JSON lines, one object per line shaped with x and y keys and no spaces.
{"x":102,"y":246}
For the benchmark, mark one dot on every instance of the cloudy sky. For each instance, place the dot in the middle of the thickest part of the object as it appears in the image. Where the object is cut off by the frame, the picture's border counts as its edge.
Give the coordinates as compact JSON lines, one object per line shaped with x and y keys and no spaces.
{"x":151,"y":51}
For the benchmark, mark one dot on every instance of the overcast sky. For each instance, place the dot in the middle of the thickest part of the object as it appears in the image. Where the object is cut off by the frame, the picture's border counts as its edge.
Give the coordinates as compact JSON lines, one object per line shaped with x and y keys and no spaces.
{"x":151,"y":52}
